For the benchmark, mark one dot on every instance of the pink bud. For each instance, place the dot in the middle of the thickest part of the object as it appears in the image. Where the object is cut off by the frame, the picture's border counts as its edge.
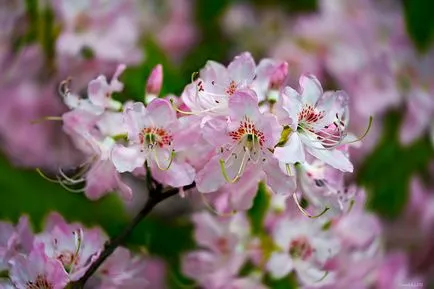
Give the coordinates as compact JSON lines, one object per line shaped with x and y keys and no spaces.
{"x":155,"y":80}
{"x":279,"y":75}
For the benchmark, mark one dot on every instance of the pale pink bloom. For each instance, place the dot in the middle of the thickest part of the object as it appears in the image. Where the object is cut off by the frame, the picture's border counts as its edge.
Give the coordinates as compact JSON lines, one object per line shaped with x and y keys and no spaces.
{"x":14,"y":240}
{"x":152,"y":139}
{"x":178,"y":33}
{"x":318,"y":124}
{"x":419,"y":116}
{"x":70,"y":244}
{"x":270,"y":78}
{"x":323,"y":186}
{"x":98,"y":172}
{"x":238,"y":196}
{"x":99,"y":93}
{"x":244,"y":141}
{"x":37,"y":271}
{"x":224,"y":242}
{"x":394,"y":273}
{"x":108,"y":28}
{"x":123,"y":270}
{"x":210,"y":93}
{"x":304,"y":247}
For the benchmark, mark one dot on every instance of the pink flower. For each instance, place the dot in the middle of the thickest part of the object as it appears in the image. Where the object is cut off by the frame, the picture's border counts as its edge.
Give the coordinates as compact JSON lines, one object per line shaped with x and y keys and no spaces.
{"x":152,"y":139}
{"x":75,"y":248}
{"x":14,"y":240}
{"x":419,"y":115}
{"x":270,"y":77}
{"x":317,"y":121}
{"x":99,"y":25}
{"x":98,"y":172}
{"x":224,"y":242}
{"x":122,"y":270}
{"x":244,"y":141}
{"x":99,"y":93}
{"x":394,"y":273}
{"x":37,"y":271}
{"x":303,"y":247}
{"x":216,"y":84}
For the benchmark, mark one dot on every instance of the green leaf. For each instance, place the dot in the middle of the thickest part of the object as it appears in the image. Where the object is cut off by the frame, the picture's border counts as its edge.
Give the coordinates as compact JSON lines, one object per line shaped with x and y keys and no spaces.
{"x":260,"y":205}
{"x":288,"y":282}
{"x":419,"y":22}
{"x":387,"y":172}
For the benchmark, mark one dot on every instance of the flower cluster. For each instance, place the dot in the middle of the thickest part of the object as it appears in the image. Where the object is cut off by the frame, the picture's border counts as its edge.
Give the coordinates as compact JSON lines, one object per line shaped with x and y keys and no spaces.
{"x":61,"y":253}
{"x":344,"y":251}
{"x":231,"y":128}
{"x":362,"y":46}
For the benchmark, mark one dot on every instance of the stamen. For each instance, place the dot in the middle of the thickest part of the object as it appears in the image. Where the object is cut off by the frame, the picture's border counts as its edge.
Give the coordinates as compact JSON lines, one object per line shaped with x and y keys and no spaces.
{"x":46,"y":118}
{"x":71,"y":180}
{"x":191,"y":112}
{"x":294,"y":195}
{"x":82,"y":190}
{"x":323,"y":277}
{"x":240,"y":170}
{"x":350,"y":208}
{"x":44,"y":176}
{"x":171,"y":157}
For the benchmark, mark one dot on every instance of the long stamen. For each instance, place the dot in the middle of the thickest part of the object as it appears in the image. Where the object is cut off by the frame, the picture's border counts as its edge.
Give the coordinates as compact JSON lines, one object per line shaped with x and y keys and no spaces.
{"x":240,"y":170}
{"x":210,"y":208}
{"x":171,"y":157}
{"x":68,"y":188}
{"x":323,"y":277}
{"x":45,"y":177}
{"x":71,"y":180}
{"x":294,"y":195}
{"x":350,"y":208}
{"x":78,"y":241}
{"x":191,"y":112}
{"x":46,"y":118}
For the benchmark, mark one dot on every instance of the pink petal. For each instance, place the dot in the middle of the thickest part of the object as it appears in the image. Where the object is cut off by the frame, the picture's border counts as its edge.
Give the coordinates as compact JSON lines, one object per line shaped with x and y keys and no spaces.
{"x":126,"y":159}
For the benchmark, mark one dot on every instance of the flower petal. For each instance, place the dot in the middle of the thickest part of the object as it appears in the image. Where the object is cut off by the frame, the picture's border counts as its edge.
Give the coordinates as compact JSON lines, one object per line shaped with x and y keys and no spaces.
{"x":292,"y":152}
{"x":242,"y":69}
{"x":279,"y":265}
{"x":126,"y":159}
{"x":334,"y":158}
{"x":159,"y":113}
{"x":311,"y":89}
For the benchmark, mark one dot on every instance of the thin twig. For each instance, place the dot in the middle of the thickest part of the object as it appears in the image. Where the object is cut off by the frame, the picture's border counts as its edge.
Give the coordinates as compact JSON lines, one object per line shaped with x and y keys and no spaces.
{"x":156,"y":195}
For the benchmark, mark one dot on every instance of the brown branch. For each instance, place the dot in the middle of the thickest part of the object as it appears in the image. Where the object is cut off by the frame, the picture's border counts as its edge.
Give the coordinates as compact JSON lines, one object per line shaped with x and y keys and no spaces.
{"x":156,"y":195}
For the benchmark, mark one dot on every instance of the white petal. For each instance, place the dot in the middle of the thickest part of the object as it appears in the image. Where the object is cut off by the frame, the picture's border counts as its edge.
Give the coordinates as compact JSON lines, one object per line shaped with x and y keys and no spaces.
{"x":292,"y":152}
{"x":126,"y":159}
{"x":311,"y":89}
{"x":279,"y":265}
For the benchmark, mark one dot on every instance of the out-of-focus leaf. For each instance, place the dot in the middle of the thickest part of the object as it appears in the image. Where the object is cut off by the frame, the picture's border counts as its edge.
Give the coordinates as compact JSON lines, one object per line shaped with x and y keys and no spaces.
{"x":420,"y":23}
{"x":257,"y":213}
{"x":386,"y":173}
{"x":25,"y":192}
{"x":288,"y":282}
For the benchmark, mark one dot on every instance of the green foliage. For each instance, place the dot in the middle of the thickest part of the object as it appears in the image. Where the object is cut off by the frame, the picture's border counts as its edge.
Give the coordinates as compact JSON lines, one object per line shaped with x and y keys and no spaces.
{"x":288,"y":282}
{"x":420,"y":23}
{"x":257,"y":213}
{"x":386,"y":173}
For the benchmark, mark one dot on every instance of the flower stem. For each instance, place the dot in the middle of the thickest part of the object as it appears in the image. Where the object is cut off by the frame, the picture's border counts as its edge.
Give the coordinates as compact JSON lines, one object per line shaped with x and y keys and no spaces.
{"x":156,"y":195}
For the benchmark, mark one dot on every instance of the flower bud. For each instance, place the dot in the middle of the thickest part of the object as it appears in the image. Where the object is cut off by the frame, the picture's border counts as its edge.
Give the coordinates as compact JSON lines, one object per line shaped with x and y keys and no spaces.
{"x":155,"y":81}
{"x":279,"y":75}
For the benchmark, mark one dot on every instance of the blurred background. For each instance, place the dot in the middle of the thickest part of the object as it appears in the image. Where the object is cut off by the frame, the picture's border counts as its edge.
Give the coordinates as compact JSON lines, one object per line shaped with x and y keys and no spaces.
{"x":380,"y":52}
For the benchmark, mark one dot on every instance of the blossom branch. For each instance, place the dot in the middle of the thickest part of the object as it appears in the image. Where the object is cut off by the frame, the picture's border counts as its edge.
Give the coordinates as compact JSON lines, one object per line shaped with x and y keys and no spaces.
{"x":156,"y":195}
